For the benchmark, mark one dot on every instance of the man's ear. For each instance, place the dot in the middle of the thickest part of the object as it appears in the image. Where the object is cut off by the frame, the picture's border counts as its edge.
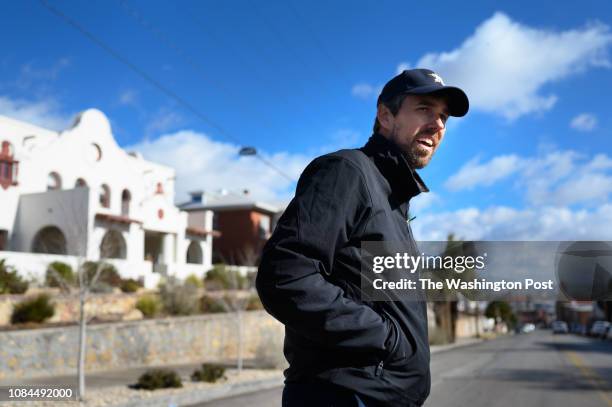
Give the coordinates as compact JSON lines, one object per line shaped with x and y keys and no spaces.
{"x":385,"y":117}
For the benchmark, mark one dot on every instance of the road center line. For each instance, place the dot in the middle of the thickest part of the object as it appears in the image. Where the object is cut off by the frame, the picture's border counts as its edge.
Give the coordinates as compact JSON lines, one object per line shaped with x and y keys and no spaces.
{"x":598,"y":382}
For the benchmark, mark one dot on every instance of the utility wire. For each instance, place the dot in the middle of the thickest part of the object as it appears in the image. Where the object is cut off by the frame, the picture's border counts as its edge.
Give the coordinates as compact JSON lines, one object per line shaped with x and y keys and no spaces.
{"x":196,"y":66}
{"x":283,"y":41}
{"x":216,"y":39}
{"x":315,"y":39}
{"x":168,"y":92}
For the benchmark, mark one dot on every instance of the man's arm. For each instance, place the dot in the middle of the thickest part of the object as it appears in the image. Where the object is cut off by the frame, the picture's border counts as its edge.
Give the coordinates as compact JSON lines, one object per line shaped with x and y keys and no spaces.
{"x":331,"y":199}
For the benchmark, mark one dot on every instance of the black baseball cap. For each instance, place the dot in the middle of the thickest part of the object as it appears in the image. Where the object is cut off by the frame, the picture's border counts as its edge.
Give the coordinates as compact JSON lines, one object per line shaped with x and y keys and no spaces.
{"x":425,"y":82}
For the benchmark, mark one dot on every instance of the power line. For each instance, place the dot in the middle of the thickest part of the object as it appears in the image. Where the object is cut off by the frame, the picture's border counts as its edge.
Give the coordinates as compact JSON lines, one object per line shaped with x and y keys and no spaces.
{"x":168,"y":92}
{"x":282,"y":40}
{"x":189,"y":60}
{"x":315,"y":39}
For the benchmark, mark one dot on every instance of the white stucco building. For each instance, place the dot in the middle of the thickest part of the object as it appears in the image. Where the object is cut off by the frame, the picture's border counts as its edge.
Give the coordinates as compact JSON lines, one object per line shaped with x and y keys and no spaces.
{"x":76,"y":194}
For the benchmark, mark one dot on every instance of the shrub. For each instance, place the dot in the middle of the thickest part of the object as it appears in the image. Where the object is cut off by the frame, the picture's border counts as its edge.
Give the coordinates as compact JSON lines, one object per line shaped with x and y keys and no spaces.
{"x":63,"y":270}
{"x":158,"y":379}
{"x":10,"y":281}
{"x":108,"y":279}
{"x":194,"y":281}
{"x":129,"y":285}
{"x":254,"y":303}
{"x":209,"y":305}
{"x":149,"y":305}
{"x":36,"y":309}
{"x":208,"y":373}
{"x":219,"y":278}
{"x":179,"y":299}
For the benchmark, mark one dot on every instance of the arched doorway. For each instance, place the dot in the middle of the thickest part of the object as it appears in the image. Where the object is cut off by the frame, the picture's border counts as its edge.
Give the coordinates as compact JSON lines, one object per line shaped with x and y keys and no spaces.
{"x":51,"y":240}
{"x":194,"y":253}
{"x":113,"y":246}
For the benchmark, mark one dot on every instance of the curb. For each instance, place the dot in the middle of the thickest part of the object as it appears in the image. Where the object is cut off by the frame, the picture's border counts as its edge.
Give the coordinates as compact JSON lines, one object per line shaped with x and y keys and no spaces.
{"x":444,"y":348}
{"x":200,"y":396}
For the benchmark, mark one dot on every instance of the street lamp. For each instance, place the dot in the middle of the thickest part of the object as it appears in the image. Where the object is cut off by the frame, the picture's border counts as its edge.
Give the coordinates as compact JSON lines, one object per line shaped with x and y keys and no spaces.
{"x":244,"y":151}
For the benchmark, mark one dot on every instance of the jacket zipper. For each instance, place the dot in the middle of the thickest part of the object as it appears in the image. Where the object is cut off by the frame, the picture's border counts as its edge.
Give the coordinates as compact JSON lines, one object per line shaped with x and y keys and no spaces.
{"x":379,"y":369}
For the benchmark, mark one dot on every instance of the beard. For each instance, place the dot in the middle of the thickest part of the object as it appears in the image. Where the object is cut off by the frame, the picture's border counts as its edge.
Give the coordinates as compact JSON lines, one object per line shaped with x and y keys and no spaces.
{"x":416,"y":155}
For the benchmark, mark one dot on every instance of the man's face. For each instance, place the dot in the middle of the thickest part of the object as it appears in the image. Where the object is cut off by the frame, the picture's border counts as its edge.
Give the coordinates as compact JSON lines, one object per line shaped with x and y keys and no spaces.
{"x":417,"y":128}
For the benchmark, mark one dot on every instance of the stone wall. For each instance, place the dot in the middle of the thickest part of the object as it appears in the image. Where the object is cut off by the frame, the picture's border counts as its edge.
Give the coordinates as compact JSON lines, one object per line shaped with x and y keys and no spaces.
{"x":53,"y":351}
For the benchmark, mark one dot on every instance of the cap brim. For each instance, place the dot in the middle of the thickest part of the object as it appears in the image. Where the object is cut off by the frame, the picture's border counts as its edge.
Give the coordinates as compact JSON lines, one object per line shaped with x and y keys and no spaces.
{"x":458,"y":103}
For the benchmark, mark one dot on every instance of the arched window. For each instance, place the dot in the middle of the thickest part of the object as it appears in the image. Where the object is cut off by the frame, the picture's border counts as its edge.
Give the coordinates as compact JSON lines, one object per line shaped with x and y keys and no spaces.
{"x":8,"y":166}
{"x":126,"y":198}
{"x":54,"y":181}
{"x":113,"y":246}
{"x":104,"y":196}
{"x":80,"y":183}
{"x":194,"y":253}
{"x":49,"y":239}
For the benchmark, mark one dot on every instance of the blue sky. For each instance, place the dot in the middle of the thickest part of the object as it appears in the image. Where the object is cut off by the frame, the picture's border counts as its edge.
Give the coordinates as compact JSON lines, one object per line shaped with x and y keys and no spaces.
{"x":532,"y":159}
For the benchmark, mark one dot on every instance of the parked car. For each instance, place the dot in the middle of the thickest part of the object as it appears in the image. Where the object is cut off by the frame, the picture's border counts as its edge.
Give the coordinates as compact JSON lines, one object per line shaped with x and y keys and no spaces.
{"x":528,"y":328}
{"x":559,"y":327}
{"x":599,"y":329}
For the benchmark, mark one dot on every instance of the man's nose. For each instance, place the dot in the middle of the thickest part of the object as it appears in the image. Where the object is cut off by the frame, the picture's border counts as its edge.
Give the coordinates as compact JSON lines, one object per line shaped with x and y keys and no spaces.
{"x":437,"y":125}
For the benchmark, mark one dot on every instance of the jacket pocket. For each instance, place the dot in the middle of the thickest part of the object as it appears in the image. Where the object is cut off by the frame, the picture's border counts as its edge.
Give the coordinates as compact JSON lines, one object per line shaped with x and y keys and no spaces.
{"x":401,"y":349}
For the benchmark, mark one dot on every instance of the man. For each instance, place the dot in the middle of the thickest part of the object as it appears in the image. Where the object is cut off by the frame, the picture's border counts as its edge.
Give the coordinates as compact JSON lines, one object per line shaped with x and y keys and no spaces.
{"x":343,"y":350}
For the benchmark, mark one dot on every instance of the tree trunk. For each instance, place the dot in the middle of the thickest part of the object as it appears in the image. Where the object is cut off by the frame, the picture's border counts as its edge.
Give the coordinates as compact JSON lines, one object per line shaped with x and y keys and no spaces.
{"x":240,"y":340}
{"x":82,"y":345}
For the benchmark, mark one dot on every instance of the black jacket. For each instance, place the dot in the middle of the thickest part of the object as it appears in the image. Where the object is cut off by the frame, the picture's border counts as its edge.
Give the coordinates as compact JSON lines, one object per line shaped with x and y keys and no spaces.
{"x":309,"y":278}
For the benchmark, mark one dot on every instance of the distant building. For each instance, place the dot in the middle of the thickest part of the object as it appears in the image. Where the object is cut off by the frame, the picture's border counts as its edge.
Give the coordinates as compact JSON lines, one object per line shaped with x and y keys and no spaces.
{"x":244,"y":223}
{"x":77,"y":194}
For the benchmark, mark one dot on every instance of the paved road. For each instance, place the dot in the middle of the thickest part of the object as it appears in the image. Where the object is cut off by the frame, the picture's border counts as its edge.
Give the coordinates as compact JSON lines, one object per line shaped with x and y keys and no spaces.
{"x":536,"y":369}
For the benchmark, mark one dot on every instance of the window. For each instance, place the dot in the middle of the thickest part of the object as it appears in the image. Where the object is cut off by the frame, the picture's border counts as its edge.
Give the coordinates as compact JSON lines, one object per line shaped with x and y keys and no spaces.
{"x":95,"y":152}
{"x":8,"y":166}
{"x":126,"y":197}
{"x":50,"y":240}
{"x":3,"y":239}
{"x":54,"y":181}
{"x":113,"y":246}
{"x":264,"y":226}
{"x":194,"y":253}
{"x":104,"y":196}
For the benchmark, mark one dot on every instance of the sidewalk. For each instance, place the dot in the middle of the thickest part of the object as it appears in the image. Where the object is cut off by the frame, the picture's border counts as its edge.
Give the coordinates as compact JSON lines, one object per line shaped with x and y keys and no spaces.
{"x":110,"y":388}
{"x":459,"y":343}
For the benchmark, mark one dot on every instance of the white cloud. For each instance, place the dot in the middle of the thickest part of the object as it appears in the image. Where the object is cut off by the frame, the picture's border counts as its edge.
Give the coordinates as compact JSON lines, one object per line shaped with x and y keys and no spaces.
{"x":128,"y":97}
{"x":366,"y":91}
{"x":504,"y":65}
{"x":424,"y":202}
{"x":342,"y":138}
{"x":44,"y":113}
{"x":584,"y":122}
{"x":164,"y":120}
{"x":203,"y":163}
{"x":504,"y":223}
{"x":30,"y":74}
{"x":402,"y":66}
{"x":475,"y":174}
{"x":558,"y":178}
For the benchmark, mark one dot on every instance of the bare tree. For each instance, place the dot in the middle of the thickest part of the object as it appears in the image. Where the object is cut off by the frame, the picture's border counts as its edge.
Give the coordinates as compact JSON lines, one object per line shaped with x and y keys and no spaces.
{"x":89,"y":271}
{"x":237,"y":297}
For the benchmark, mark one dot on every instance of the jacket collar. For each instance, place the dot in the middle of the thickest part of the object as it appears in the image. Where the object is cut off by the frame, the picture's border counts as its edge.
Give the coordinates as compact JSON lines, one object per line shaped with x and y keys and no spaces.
{"x":404,"y":181}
